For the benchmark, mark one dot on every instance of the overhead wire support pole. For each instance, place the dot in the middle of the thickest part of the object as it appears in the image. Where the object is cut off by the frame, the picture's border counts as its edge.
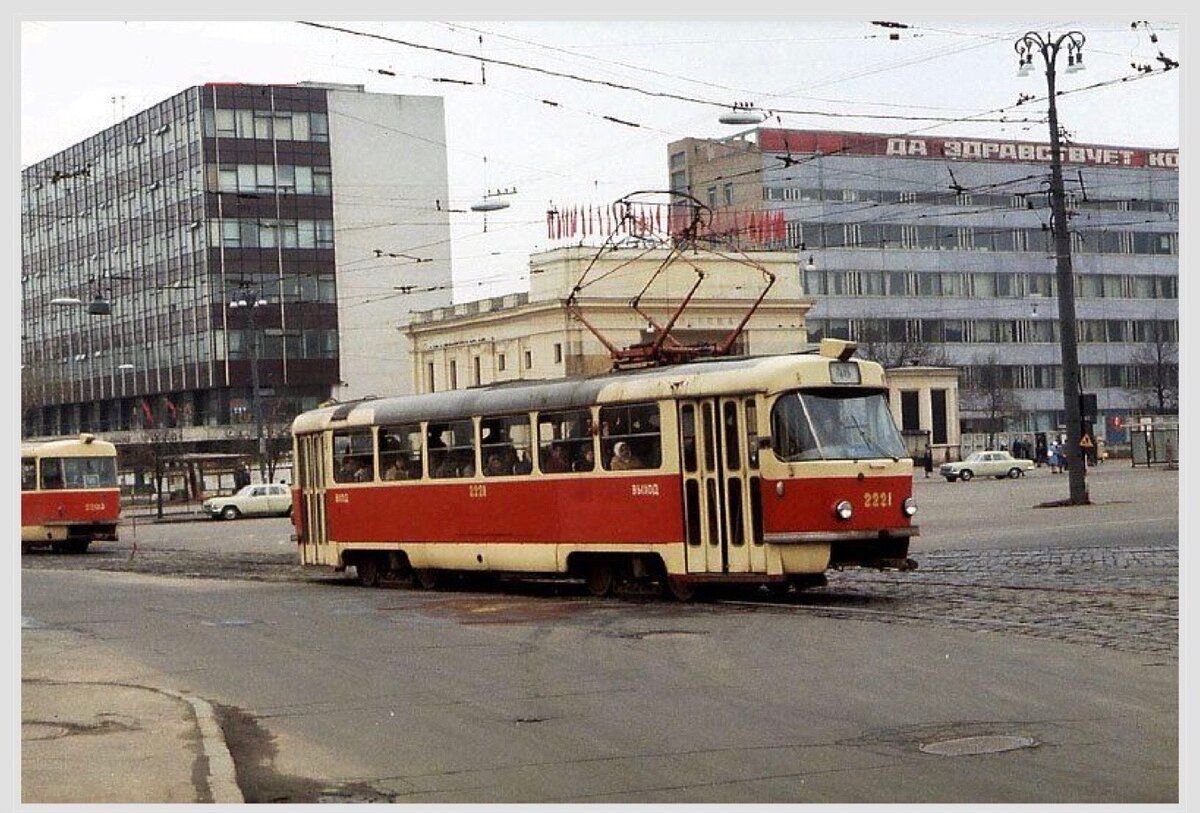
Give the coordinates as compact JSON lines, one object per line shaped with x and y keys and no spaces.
{"x":1049,"y":48}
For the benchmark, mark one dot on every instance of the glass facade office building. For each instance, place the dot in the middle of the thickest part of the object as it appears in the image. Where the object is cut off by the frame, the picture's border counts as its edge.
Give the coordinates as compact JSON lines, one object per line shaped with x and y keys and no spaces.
{"x":939,"y":251}
{"x":220,"y":195}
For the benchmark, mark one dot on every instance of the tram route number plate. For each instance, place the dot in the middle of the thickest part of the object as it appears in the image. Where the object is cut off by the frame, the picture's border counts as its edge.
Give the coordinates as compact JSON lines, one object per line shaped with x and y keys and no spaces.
{"x":93,"y":506}
{"x":644,"y":489}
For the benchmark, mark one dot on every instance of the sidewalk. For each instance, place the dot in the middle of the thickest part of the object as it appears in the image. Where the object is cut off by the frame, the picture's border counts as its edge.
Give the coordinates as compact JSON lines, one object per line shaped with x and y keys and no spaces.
{"x":97,"y":728}
{"x":172,"y":512}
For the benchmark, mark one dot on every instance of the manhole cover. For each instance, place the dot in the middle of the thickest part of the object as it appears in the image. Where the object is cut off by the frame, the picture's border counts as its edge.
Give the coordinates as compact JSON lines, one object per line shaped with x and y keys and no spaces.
{"x":970,"y":746}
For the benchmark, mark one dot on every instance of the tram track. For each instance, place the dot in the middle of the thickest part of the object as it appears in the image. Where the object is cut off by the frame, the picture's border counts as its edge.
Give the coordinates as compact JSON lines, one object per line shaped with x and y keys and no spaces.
{"x":1124,"y":599}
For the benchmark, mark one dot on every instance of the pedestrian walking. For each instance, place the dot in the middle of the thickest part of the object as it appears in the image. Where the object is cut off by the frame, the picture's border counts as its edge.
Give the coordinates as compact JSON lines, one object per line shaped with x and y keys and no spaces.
{"x":928,"y":461}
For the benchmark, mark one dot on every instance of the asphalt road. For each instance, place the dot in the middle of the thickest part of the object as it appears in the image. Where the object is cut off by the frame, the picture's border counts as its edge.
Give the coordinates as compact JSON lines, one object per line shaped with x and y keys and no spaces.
{"x":1052,"y":629}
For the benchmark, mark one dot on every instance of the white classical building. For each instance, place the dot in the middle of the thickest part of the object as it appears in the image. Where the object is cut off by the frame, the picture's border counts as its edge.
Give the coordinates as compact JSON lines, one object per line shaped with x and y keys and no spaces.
{"x":535,"y":336}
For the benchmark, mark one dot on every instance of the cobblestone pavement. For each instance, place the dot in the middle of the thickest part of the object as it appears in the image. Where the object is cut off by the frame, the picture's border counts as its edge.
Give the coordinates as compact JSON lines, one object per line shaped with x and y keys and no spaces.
{"x":1120,"y":598}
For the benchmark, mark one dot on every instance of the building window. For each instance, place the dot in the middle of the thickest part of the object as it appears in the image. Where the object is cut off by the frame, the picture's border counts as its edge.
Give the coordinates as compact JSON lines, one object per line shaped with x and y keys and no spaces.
{"x":429,"y":377}
{"x":558,"y":353}
{"x":910,"y":414}
{"x":476,"y":371}
{"x":453,"y":374}
{"x":528,"y":359}
{"x":501,"y":362}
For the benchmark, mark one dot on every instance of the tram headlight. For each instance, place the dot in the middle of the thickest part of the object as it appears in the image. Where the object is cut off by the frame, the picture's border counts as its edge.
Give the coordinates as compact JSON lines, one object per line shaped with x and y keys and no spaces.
{"x":910,"y":506}
{"x":843,"y":510}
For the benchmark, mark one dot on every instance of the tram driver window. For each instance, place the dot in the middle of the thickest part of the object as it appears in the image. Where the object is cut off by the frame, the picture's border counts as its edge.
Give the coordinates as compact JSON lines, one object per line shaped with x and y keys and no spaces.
{"x":52,"y":477}
{"x":791,"y":435}
{"x":630,"y":437}
{"x":451,"y":449}
{"x":565,"y":441}
{"x":353,"y":457}
{"x":504,"y":446}
{"x":400,"y":452}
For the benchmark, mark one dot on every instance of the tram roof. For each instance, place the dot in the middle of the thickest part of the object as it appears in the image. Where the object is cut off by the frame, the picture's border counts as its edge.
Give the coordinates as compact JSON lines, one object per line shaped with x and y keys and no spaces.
{"x":739,"y":374}
{"x":84,"y":445}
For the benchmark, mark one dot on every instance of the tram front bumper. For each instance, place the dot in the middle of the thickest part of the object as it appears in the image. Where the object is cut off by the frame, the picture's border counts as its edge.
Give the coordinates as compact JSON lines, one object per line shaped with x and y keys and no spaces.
{"x":883,"y":550}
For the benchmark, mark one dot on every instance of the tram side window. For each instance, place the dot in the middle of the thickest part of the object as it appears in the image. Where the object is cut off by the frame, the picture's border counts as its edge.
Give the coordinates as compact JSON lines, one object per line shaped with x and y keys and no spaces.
{"x":89,"y":472}
{"x":504,"y":445}
{"x":451,"y":449}
{"x":28,"y":474}
{"x":630,"y":437}
{"x":565,"y":441}
{"x":52,"y":473}
{"x":400,"y":452}
{"x":353,"y":457}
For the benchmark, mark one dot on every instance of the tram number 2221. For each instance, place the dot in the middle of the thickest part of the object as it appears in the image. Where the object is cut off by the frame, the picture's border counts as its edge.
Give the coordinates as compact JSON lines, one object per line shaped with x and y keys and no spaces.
{"x":877,"y":499}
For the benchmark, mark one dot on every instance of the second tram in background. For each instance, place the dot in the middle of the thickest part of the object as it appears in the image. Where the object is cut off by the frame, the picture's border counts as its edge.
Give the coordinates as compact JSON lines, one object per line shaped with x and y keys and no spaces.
{"x":743,"y":470}
{"x":69,"y":494}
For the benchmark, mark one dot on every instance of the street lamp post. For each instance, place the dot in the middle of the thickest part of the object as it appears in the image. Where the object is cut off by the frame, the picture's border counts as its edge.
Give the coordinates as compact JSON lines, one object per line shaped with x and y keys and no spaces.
{"x":1026,"y":47}
{"x":254,"y":301}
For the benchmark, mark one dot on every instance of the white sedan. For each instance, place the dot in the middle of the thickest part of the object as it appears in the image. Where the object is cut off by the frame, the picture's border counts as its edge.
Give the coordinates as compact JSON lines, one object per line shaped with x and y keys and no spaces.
{"x":251,"y":501}
{"x":986,"y":464}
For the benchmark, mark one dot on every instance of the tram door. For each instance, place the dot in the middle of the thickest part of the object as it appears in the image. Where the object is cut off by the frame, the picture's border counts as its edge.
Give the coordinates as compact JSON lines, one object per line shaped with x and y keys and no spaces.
{"x":720,"y":513}
{"x":313,"y":475}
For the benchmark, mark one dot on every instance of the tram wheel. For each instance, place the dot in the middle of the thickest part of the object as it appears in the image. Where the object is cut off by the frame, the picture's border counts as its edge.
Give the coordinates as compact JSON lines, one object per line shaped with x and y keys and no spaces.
{"x":600,"y":579}
{"x":681,"y":589}
{"x":368,"y":571}
{"x":426,"y":579}
{"x":803,"y":581}
{"x":779,"y":590}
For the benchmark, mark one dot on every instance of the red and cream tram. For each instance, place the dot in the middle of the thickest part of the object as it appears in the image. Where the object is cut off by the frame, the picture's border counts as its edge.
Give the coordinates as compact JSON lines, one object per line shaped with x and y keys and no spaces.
{"x":69,"y":493}
{"x":755,"y":470}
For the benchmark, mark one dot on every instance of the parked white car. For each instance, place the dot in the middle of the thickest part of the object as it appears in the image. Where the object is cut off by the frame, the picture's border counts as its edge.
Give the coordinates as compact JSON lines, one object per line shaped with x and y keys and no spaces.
{"x":986,"y":464}
{"x":251,"y":501}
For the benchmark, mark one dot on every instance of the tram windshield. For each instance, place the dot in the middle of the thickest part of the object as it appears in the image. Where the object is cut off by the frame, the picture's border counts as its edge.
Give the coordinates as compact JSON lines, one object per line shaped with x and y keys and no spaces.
{"x":834,"y":424}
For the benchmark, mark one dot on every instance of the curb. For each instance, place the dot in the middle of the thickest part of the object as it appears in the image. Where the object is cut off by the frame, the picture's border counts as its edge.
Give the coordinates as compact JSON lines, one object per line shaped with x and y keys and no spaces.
{"x":222,"y":775}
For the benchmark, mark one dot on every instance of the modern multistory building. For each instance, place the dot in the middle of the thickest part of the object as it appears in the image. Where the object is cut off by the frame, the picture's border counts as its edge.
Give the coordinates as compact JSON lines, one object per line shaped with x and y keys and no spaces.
{"x":939,"y":250}
{"x":228,"y":257}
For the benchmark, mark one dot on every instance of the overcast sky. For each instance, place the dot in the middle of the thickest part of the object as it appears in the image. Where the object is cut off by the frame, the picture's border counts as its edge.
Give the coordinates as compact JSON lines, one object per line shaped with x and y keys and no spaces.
{"x":548,"y":137}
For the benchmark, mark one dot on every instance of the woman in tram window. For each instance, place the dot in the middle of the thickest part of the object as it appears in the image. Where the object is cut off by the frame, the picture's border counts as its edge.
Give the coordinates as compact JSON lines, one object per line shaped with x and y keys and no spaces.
{"x":623,"y":459}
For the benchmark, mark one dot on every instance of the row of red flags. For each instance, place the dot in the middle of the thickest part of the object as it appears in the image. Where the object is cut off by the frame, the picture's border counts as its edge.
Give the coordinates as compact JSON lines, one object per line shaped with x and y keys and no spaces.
{"x":637,"y":219}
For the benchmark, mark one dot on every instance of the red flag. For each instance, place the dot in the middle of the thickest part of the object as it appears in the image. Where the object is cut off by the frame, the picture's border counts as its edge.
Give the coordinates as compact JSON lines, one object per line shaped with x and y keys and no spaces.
{"x":148,"y":413}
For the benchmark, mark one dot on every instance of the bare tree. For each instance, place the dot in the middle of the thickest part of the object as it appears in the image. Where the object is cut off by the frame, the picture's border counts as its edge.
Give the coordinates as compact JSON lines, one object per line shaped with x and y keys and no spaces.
{"x":152,"y":456}
{"x":1157,"y":364}
{"x":277,"y":434}
{"x":988,"y":391}
{"x":910,"y":353}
